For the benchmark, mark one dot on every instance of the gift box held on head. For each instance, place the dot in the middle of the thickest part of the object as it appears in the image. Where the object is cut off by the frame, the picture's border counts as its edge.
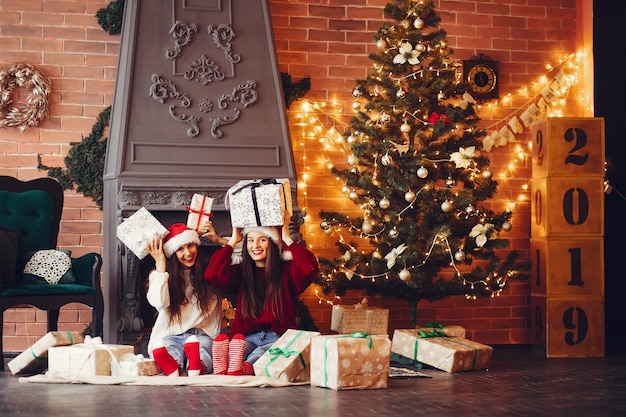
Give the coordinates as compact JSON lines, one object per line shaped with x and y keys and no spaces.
{"x":259,"y":202}
{"x":138,"y":230}
{"x":450,"y":354}
{"x":359,"y":318}
{"x":90,"y":358}
{"x":199,"y":211}
{"x":288,"y":357}
{"x":350,"y":361}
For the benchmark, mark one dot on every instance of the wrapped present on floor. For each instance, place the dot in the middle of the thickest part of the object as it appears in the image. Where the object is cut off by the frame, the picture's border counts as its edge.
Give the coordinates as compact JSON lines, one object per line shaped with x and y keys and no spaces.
{"x":90,"y":358}
{"x":350,"y":361}
{"x":259,"y":202}
{"x":138,"y":230}
{"x":199,"y":211}
{"x":449,"y":330}
{"x":289,"y":357}
{"x":359,"y":318}
{"x":35,"y":359}
{"x":134,"y":365}
{"x":450,"y":354}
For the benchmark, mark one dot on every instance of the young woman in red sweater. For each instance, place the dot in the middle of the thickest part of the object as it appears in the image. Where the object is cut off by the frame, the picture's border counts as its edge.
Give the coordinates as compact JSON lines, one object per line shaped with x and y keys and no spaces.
{"x":267,"y":283}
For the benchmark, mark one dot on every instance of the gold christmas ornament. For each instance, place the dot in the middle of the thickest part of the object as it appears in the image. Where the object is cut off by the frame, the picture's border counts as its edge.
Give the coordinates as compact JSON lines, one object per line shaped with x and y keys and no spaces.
{"x":418,"y":23}
{"x":409,"y":196}
{"x":446,"y":206}
{"x":27,"y":77}
{"x":506,"y":226}
{"x":381,"y":44}
{"x":366,"y":227}
{"x":422,"y":172}
{"x":384,"y":203}
{"x":405,"y":127}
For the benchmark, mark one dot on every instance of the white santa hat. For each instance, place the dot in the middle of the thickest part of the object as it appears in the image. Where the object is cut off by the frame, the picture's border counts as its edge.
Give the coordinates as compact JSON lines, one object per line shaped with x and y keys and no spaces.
{"x":178,"y":236}
{"x":271,"y":232}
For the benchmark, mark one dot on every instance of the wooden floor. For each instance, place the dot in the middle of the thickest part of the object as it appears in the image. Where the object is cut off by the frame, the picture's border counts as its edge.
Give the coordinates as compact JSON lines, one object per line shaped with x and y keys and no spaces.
{"x":518,"y":383}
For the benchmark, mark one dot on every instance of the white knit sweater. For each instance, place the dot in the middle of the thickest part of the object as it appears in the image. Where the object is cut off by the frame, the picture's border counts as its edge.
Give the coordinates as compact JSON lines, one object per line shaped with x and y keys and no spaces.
{"x":191,"y":315}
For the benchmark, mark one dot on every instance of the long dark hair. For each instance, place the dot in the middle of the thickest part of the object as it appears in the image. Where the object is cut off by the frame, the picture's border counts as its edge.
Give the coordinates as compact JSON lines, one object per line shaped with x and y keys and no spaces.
{"x":255,"y":295}
{"x":202,"y":289}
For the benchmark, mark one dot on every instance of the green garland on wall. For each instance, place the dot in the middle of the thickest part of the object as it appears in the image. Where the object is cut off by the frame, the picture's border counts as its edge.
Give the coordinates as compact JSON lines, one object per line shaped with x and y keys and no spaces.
{"x":85,"y":160}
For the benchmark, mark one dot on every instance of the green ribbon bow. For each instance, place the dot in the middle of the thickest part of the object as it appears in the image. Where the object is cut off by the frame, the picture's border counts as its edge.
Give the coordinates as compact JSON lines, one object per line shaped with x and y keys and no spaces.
{"x":277,"y":352}
{"x":435,"y":325}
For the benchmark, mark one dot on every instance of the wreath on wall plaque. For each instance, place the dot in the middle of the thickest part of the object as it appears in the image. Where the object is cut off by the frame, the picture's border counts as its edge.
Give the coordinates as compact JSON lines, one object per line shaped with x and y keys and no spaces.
{"x":36,"y":109}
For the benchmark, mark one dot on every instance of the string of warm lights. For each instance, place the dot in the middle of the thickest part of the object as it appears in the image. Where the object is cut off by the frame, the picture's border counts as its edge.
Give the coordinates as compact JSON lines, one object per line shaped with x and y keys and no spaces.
{"x":556,"y":88}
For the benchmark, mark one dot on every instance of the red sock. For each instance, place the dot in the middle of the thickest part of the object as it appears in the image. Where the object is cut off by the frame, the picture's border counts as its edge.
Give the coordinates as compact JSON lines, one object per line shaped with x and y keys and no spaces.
{"x":220,"y":354}
{"x":164,"y":360}
{"x":235,"y":354}
{"x":195,"y":366}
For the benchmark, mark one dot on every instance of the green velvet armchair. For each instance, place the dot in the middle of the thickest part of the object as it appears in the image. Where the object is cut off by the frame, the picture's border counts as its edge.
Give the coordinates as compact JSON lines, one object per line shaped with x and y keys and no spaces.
{"x":32,"y":271}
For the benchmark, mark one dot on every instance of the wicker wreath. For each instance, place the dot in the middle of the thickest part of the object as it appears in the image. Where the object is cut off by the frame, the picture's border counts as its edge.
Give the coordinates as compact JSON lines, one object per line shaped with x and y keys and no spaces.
{"x":36,"y":109}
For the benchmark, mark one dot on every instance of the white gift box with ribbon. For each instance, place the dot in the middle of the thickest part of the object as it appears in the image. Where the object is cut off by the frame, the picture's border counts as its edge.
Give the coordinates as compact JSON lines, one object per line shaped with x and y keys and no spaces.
{"x":138,"y":230}
{"x":259,"y":202}
{"x":89,"y":358}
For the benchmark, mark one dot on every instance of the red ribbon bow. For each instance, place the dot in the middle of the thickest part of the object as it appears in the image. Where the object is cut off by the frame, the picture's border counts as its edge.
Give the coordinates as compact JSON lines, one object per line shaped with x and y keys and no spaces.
{"x":434,"y":118}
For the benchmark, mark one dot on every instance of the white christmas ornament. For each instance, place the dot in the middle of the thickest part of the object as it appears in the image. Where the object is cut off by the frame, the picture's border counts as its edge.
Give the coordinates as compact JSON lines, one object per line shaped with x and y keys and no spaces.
{"x":405,"y":128}
{"x":422,"y":172}
{"x":404,"y":275}
{"x":409,"y":196}
{"x":381,"y":44}
{"x":459,"y":255}
{"x":386,"y":159}
{"x":446,"y":206}
{"x":345,"y":189}
{"x":418,"y":23}
{"x":384,"y":203}
{"x":352,"y":160}
{"x":506,"y":226}
{"x":366,"y":227}
{"x":353,"y":195}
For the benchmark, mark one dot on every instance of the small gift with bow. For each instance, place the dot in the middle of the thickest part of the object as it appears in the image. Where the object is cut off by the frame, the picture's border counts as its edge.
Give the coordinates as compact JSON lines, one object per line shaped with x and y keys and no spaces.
{"x":289,"y":357}
{"x":260,"y":202}
{"x":35,"y":359}
{"x":92,"y":357}
{"x":350,"y":361}
{"x":199,"y":211}
{"x":134,"y":365}
{"x":435,"y":348}
{"x":138,"y":230}
{"x":359,"y":317}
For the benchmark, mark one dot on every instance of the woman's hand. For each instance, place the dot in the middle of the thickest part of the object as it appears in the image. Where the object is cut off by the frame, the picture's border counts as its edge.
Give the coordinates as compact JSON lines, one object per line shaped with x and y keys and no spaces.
{"x":207,"y":231}
{"x":155,"y":247}
{"x":236,"y":237}
{"x":286,"y":234}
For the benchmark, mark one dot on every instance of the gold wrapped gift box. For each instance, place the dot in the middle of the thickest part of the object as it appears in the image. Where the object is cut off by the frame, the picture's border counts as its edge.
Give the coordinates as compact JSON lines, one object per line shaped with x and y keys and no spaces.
{"x":351,"y":319}
{"x":350,"y":361}
{"x":450,"y":354}
{"x":289,"y":358}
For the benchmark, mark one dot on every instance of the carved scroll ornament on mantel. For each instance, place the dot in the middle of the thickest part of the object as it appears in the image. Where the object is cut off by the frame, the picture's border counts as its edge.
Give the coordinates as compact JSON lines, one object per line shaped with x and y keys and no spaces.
{"x":205,"y":71}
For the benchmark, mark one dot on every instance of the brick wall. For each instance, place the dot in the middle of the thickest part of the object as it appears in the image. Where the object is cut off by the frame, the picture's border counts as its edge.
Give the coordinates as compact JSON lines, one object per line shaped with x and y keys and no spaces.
{"x":327,"y":40}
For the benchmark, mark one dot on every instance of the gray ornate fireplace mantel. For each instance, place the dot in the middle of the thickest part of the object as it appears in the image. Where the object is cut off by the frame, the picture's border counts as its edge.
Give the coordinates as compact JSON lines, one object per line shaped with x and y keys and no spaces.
{"x":198,"y":106}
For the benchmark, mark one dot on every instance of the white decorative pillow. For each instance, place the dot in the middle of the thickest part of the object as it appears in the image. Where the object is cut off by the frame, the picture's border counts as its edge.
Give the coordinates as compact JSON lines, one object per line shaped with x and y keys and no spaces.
{"x":48,"y":264}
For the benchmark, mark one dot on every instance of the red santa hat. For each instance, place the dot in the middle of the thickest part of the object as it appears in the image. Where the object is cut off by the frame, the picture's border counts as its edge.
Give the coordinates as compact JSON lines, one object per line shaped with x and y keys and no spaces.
{"x":178,"y":236}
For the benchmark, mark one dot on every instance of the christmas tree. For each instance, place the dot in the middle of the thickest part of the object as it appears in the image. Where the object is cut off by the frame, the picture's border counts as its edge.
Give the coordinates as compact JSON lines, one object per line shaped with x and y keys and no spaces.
{"x":417,"y":174}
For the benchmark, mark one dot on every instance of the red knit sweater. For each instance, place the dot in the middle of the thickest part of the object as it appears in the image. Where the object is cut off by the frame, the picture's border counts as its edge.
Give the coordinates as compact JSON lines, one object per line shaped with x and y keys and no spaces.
{"x":298,"y":273}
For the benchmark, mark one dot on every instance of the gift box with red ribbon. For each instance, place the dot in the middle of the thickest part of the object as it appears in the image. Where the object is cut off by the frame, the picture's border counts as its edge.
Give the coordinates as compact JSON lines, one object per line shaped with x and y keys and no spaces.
{"x":199,"y":211}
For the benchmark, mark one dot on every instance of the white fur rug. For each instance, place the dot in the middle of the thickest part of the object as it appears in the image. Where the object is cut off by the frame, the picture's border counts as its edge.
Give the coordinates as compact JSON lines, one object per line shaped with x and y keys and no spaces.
{"x":200,"y":381}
